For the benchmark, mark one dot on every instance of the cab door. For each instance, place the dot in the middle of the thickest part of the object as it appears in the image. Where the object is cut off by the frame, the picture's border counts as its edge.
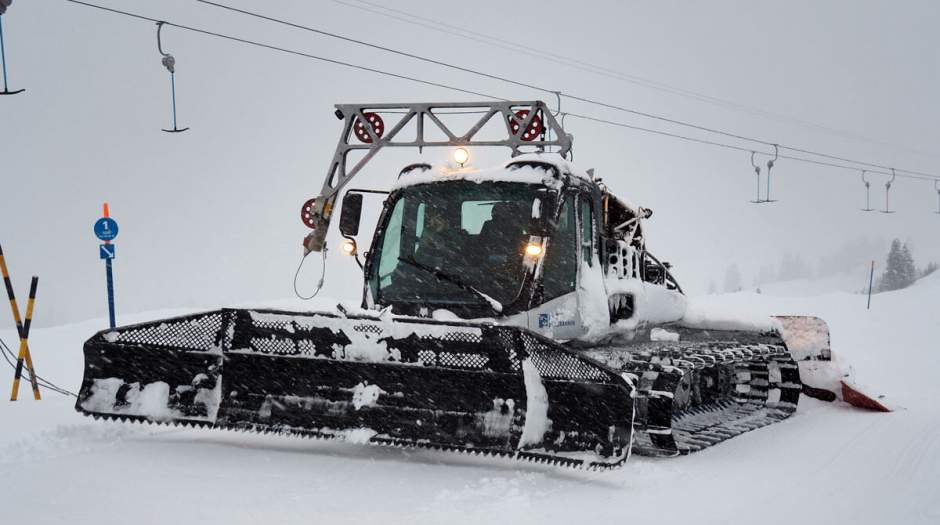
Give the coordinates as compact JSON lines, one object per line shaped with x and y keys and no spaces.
{"x":557,"y":316}
{"x":593,"y":309}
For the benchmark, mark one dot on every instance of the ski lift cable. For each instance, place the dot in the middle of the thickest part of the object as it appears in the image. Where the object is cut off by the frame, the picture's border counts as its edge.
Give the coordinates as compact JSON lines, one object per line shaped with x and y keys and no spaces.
{"x":746,"y":138}
{"x":557,"y":93}
{"x":731,"y":146}
{"x":906,"y":173}
{"x":581,"y":64}
{"x":463,"y":32}
{"x":375,"y":46}
{"x":286,"y":50}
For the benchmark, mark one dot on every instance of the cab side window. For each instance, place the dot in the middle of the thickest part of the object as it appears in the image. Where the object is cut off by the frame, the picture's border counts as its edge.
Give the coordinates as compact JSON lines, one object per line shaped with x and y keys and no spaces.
{"x":560,"y":268}
{"x":587,"y":231}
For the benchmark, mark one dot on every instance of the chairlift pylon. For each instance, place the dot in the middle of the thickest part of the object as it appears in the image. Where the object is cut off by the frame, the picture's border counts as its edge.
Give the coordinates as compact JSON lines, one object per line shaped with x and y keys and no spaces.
{"x":169,"y":62}
{"x":867,"y":192}
{"x":3,"y":61}
{"x":888,"y":192}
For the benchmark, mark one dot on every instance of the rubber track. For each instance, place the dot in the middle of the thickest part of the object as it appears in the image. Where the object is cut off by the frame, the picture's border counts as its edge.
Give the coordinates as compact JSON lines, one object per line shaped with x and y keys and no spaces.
{"x":716,"y":420}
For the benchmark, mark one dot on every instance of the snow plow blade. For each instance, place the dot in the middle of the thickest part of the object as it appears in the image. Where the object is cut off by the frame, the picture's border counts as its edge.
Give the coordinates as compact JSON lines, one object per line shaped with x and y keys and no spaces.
{"x":823,"y":376}
{"x":476,"y":388}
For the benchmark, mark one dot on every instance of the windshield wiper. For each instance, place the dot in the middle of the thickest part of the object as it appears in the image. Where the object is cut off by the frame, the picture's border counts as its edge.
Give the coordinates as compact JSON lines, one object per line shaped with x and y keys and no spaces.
{"x":493,"y":303}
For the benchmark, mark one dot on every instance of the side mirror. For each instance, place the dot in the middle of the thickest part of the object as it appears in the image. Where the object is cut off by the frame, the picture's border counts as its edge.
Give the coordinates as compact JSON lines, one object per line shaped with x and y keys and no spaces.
{"x":350,"y":214}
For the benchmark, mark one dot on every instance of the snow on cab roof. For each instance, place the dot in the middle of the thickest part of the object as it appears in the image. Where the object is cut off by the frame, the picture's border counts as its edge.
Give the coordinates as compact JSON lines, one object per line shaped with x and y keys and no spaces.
{"x":526,"y":174}
{"x":564,"y":166}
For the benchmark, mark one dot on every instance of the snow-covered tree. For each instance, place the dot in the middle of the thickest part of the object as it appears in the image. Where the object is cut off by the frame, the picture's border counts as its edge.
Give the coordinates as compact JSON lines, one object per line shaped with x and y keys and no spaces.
{"x":930,"y":268}
{"x":900,"y":271}
{"x":733,"y":279}
{"x":908,"y":268}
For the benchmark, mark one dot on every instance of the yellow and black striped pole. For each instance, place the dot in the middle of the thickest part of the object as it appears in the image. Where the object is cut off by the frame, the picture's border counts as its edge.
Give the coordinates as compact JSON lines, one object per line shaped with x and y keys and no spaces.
{"x":24,"y":354}
{"x":22,"y":329}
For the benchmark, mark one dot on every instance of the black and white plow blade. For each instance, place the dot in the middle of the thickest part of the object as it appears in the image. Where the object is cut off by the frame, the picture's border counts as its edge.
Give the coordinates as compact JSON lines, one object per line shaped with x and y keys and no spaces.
{"x":478,"y":388}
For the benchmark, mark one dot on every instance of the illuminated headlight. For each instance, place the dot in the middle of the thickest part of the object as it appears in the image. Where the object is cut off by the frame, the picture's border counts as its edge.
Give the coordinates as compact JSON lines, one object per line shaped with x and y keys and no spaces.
{"x":533,"y":250}
{"x":461,"y":156}
{"x":349,"y":247}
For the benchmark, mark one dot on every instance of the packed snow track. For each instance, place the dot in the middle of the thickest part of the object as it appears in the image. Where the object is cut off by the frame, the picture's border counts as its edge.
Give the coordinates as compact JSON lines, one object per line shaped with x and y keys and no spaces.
{"x":829,"y":463}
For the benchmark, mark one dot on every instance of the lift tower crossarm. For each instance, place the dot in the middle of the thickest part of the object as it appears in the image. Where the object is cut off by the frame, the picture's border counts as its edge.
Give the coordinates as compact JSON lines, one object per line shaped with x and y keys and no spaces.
{"x":524,"y":122}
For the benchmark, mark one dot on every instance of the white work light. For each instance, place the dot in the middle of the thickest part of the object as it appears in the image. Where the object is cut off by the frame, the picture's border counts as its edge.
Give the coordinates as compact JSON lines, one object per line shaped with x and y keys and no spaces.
{"x":461,"y":156}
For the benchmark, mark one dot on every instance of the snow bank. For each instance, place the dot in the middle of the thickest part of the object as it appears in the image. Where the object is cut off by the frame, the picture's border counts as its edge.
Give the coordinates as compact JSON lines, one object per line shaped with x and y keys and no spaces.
{"x":709,"y":316}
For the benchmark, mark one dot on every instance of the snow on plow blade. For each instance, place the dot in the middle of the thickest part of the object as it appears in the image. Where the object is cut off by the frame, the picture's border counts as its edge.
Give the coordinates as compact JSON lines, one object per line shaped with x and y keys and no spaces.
{"x":824,"y":378}
{"x":452,"y":386}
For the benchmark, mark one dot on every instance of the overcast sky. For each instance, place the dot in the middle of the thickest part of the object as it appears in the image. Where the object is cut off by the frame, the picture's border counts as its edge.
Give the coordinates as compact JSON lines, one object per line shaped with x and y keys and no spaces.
{"x":210,"y":217}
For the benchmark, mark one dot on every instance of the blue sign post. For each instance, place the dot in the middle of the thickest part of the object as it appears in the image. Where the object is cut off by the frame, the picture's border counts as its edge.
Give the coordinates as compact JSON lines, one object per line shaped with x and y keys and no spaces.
{"x":106,"y":229}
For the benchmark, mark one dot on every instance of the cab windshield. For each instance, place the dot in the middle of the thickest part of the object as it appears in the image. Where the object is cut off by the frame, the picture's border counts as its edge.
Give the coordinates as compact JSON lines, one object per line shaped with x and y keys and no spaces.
{"x":442,"y":238}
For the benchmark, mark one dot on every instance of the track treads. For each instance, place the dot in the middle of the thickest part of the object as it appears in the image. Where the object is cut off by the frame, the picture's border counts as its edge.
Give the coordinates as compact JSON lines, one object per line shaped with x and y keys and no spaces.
{"x":694,"y":394}
{"x":696,"y":431}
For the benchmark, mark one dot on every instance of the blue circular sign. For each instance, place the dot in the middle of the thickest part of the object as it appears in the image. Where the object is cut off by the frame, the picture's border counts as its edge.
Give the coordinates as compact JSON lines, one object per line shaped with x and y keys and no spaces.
{"x":106,"y":228}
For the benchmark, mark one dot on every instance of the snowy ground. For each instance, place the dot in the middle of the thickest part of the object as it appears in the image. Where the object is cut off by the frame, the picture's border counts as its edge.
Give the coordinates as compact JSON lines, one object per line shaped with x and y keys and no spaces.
{"x":827,"y":464}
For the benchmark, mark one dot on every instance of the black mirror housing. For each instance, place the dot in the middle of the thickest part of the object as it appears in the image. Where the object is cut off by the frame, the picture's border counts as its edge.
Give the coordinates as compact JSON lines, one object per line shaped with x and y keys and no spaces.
{"x":351,"y":214}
